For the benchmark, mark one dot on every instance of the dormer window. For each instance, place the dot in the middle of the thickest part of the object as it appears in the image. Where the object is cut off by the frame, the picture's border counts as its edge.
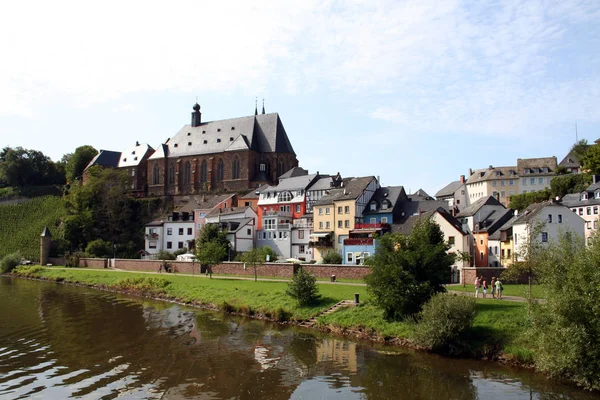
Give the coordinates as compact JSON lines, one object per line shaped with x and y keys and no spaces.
{"x":189,"y":143}
{"x":373,"y":206}
{"x":218,"y":129}
{"x":124,"y":160}
{"x":584,"y":196}
{"x":385,"y":205}
{"x":545,"y":169}
{"x":597,"y":195}
{"x":498,"y":173}
{"x":189,"y":133}
{"x":133,"y":152}
{"x":134,"y":158}
{"x":204,"y":141}
{"x":233,"y":128}
{"x":527,"y":171}
{"x":218,"y":140}
{"x":203,"y":131}
{"x":231,"y":139}
{"x":175,"y":145}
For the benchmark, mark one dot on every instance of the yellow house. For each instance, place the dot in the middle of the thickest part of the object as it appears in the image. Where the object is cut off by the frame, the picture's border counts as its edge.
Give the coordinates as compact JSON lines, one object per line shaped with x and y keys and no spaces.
{"x":337,"y":212}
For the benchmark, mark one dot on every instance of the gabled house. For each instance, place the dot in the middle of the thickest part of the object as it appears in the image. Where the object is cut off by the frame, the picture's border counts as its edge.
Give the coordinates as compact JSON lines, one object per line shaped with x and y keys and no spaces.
{"x":455,"y":194}
{"x":174,"y":232}
{"x":240,"y":224}
{"x":336,"y":214}
{"x":385,"y":205}
{"x":586,"y":204}
{"x":454,"y":235}
{"x":544,"y":222}
{"x":499,"y":182}
{"x":133,"y":160}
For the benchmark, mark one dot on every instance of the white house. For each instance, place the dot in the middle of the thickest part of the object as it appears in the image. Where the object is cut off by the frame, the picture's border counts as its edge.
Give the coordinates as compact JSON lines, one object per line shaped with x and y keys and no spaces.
{"x":586,"y":204}
{"x":170,"y":234}
{"x":547,"y":220}
{"x":240,"y":223}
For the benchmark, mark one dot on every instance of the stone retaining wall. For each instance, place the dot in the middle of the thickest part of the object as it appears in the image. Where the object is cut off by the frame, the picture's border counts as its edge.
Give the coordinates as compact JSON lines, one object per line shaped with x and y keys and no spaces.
{"x":468,"y":274}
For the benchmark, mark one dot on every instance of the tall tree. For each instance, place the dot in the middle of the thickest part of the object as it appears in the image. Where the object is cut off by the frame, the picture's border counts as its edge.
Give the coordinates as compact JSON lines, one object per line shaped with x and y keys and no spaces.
{"x":255,"y":257}
{"x":406,"y":270}
{"x":211,"y":253}
{"x":21,"y":167}
{"x":591,"y":159}
{"x":77,"y":162}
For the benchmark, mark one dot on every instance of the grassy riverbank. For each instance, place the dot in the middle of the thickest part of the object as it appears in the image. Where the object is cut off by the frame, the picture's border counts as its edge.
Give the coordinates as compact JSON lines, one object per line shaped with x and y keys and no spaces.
{"x":498,"y":326}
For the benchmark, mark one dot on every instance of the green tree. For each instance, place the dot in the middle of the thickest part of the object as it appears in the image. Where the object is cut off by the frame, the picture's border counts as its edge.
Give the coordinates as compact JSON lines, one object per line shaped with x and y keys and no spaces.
{"x":406,"y":270}
{"x":99,"y":248}
{"x":565,"y":329}
{"x":211,"y":253}
{"x":21,"y":167}
{"x":580,"y":149}
{"x":524,"y":200}
{"x":591,"y":159}
{"x":303,"y":288}
{"x":77,"y":162}
{"x":332,"y":257}
{"x":255,"y":257}
{"x":570,"y":183}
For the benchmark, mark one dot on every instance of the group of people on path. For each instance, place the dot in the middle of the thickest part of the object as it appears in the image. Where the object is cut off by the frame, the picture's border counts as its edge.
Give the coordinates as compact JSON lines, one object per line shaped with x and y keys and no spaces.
{"x":481,"y":283}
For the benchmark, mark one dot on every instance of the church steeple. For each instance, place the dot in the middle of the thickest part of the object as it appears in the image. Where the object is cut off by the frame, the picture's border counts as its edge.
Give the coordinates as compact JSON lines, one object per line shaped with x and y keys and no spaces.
{"x":256,"y":106}
{"x":196,"y":116}
{"x":263,"y":110}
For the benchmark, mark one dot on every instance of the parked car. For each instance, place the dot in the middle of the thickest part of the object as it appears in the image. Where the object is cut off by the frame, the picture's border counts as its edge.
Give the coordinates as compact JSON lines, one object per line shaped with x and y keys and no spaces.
{"x":186,"y":257}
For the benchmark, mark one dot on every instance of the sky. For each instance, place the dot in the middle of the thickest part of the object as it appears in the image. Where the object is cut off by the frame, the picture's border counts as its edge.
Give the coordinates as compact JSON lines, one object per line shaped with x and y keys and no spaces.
{"x":415,"y":92}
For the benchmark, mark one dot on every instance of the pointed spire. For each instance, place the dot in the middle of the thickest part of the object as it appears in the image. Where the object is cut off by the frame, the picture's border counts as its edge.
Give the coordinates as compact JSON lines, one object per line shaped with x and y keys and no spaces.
{"x":263,"y":110}
{"x":256,"y":106}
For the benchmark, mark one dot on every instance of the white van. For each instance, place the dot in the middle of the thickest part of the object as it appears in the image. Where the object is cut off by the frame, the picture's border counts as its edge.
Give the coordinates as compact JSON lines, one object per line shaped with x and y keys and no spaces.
{"x":186,"y":257}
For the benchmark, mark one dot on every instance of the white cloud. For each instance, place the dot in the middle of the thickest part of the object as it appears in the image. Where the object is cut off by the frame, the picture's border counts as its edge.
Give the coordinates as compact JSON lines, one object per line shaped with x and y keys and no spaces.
{"x":484,"y":67}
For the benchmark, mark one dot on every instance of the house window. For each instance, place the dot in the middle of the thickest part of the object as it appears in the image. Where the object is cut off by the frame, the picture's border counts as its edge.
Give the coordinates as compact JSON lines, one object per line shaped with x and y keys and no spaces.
{"x":481,"y":255}
{"x":496,"y":250}
{"x":511,"y":182}
{"x":560,"y":218}
{"x":580,"y":211}
{"x":235,"y":168}
{"x":347,"y":209}
{"x":346,"y":224}
{"x":502,"y":253}
{"x":181,"y":231}
{"x":187,"y":173}
{"x":481,"y":242}
{"x":502,"y":182}
{"x":373,"y":220}
{"x":264,"y":235}
{"x":169,"y":245}
{"x":549,"y":218}
{"x":596,"y":224}
{"x":373,"y":206}
{"x":384,"y":220}
{"x":339,"y":224}
{"x":349,"y":257}
{"x":584,"y":196}
{"x":320,"y":211}
{"x":220,"y":170}
{"x":490,"y":250}
{"x":541,"y":181}
{"x":515,"y":238}
{"x":301,"y":249}
{"x":595,"y":210}
{"x":494,"y":183}
{"x":384,"y":205}
{"x":300,"y":234}
{"x":588,"y":224}
{"x":171,"y":174}
{"x":298,"y":209}
{"x":588,"y":210}
{"x":320,"y":224}
{"x":169,"y":231}
{"x":327,"y":225}
{"x":133,"y":172}
{"x":451,"y":240}
{"x":152,"y":244}
{"x":327,"y":210}
{"x":544,"y":237}
{"x":155,"y":175}
{"x":532,"y":181}
{"x":340,"y":209}
{"x":189,"y":231}
{"x":524,"y":181}
{"x":503,"y":194}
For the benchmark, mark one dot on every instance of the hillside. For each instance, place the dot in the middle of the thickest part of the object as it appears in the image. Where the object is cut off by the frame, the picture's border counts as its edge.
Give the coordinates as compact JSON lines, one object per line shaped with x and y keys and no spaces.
{"x":21,"y":224}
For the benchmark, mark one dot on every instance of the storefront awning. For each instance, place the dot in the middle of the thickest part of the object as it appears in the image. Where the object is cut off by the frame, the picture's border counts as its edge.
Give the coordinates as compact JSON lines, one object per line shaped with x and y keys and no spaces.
{"x":319,"y":234}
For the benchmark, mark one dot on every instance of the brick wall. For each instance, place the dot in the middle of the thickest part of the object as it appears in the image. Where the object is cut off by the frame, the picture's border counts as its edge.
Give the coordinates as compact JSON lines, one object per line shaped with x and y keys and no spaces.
{"x":236,"y":268}
{"x":93,"y":262}
{"x":57,"y":261}
{"x":468,"y":274}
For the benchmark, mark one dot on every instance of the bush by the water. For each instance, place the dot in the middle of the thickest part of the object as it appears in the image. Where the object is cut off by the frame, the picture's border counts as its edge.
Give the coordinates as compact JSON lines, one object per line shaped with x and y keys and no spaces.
{"x":444,"y":324}
{"x":565,"y":329}
{"x":9,"y":262}
{"x":303,"y":288}
{"x":98,"y":248}
{"x":29,"y":271}
{"x":332,"y":257}
{"x":143,"y":284}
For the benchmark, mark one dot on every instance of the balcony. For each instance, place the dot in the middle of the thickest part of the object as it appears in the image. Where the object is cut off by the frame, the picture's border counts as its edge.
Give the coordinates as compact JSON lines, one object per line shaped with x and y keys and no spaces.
{"x":152,"y":236}
{"x":320,"y":243}
{"x":278,"y":213}
{"x":358,"y":242}
{"x":284,"y":227}
{"x":369,"y":226}
{"x":302,"y":224}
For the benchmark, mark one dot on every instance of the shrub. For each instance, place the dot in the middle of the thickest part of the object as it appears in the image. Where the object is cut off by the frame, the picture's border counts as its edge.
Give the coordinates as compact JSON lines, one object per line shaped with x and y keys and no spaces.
{"x":72,"y":259}
{"x":303,"y":288}
{"x":444,"y":324}
{"x":9,"y":262}
{"x":29,"y":271}
{"x":164,"y":255}
{"x":98,"y":248}
{"x":146,"y":285}
{"x":331,"y":257}
{"x":267,"y":250}
{"x":179,"y":252}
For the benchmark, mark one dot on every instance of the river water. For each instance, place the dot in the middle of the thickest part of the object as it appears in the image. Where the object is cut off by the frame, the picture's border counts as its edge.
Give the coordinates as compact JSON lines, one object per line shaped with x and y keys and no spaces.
{"x":59,"y":341}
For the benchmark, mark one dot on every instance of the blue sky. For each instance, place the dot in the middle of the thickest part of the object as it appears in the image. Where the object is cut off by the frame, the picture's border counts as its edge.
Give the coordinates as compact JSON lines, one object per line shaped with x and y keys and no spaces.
{"x":416,"y":92}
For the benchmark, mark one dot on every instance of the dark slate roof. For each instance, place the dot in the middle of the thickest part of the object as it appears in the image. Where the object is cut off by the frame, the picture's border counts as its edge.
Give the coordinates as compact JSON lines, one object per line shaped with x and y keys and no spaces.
{"x":105,"y":158}
{"x":571,"y":160}
{"x":530,"y":212}
{"x":235,"y":224}
{"x":574,"y":200}
{"x":451,"y":220}
{"x":253,"y":193}
{"x":407,"y":226}
{"x":203,"y":202}
{"x":296,"y":171}
{"x":449,"y":189}
{"x":413,"y":207}
{"x":473,"y":208}
{"x":492,"y":173}
{"x":227,"y":211}
{"x":493,"y":220}
{"x":389,"y":193}
{"x":261,"y":133}
{"x":421,"y":193}
{"x":536,"y":165}
{"x":507,"y":225}
{"x":352,"y":189}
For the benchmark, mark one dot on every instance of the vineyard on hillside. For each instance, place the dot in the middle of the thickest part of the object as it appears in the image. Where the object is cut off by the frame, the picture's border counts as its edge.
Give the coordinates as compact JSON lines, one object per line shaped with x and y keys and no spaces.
{"x":21,"y":225}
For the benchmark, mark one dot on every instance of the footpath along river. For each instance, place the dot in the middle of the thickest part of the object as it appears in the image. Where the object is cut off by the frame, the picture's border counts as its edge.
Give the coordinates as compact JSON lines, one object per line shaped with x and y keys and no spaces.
{"x":59,"y":341}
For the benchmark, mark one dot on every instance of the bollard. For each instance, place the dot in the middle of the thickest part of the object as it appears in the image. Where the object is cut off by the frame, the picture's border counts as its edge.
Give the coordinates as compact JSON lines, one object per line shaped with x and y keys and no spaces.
{"x":356,"y":301}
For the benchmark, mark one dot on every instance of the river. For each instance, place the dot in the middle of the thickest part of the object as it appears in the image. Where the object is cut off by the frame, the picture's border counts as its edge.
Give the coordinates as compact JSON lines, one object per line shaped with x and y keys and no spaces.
{"x":59,"y":341}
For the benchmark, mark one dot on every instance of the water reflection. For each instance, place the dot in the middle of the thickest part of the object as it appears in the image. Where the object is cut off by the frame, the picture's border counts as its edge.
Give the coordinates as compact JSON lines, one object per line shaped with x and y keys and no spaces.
{"x":59,"y":341}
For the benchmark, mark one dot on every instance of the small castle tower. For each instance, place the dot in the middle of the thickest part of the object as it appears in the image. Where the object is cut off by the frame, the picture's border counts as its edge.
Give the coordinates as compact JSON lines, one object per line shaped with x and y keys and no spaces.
{"x":45,"y":244}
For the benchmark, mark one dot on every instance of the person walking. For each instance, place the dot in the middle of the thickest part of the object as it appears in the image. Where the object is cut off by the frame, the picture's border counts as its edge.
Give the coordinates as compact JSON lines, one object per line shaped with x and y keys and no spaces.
{"x":485,"y":288}
{"x":499,"y":289}
{"x":493,"y":285}
{"x":477,"y":286}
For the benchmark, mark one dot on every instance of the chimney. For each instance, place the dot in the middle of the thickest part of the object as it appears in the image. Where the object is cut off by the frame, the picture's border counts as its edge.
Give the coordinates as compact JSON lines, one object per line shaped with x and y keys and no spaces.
{"x":196,"y":116}
{"x":462,"y":179}
{"x":470,"y":171}
{"x":595,"y":178}
{"x":491,"y":167}
{"x":137,"y":143}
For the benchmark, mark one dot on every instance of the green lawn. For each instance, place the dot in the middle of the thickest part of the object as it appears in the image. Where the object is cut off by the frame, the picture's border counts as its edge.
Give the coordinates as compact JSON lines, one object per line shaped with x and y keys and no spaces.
{"x":537,"y":291}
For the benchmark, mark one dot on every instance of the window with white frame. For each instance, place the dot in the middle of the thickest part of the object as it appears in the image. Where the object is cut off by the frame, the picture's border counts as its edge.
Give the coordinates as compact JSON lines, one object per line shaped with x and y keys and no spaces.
{"x":373,"y":220}
{"x":298,"y":209}
{"x":384,"y":220}
{"x":549,"y":218}
{"x":373,"y":206}
{"x":301,"y":249}
{"x":320,"y":211}
{"x":327,"y":210}
{"x":532,"y":181}
{"x":347,"y":224}
{"x":152,"y":244}
{"x":588,"y":210}
{"x":347,"y":209}
{"x":300,"y":234}
{"x":350,"y":257}
{"x":595,"y":210}
{"x":560,"y":218}
{"x":340,"y":223}
{"x":544,"y":237}
{"x":320,"y":224}
{"x":327,"y":225}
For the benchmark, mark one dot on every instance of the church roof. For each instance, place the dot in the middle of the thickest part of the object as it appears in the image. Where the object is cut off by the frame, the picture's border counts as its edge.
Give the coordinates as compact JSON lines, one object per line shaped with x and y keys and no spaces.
{"x":261,"y":133}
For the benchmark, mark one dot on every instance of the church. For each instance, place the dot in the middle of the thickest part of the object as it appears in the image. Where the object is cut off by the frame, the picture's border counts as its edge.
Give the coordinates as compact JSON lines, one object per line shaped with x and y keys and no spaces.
{"x":227,"y":155}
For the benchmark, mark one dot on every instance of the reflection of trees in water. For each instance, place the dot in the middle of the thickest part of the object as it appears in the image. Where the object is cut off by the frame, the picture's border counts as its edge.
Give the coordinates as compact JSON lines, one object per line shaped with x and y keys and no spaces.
{"x":303,"y":347}
{"x":386,"y":377}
